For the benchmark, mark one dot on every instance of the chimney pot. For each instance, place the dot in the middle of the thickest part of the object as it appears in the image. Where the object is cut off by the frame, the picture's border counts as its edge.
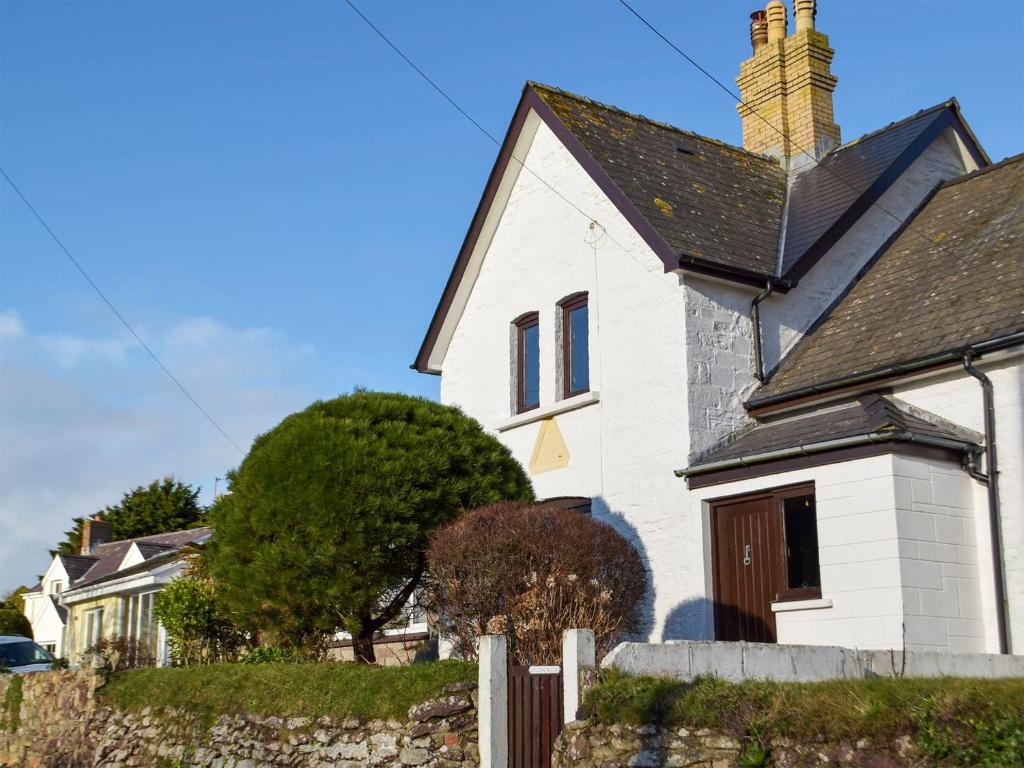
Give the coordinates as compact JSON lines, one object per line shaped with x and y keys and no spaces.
{"x":776,"y":13}
{"x":95,"y":532}
{"x":805,"y":13}
{"x":758,"y":30}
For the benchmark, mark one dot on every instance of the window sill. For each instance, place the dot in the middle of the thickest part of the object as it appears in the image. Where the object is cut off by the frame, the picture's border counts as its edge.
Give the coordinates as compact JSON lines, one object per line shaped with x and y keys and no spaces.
{"x":801,"y":605}
{"x":546,"y":411}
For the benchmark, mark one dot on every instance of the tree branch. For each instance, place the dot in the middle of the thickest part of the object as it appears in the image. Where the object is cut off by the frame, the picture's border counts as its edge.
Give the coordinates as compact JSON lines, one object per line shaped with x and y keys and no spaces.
{"x":398,"y":601}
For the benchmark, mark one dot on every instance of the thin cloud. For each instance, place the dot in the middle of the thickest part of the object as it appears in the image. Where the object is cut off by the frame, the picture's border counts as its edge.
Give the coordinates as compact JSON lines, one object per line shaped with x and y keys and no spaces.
{"x":86,"y":418}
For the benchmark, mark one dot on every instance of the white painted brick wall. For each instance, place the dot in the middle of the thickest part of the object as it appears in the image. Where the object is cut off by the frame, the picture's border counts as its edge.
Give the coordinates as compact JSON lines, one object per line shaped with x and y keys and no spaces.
{"x":671,"y":358}
{"x":957,"y":397}
{"x":623,"y":450}
{"x":942,"y":596}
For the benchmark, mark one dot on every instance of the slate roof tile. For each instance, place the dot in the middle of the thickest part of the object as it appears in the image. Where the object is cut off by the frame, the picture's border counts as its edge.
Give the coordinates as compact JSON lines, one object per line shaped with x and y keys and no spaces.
{"x":107,"y":557}
{"x":820,"y":195}
{"x":873,"y":414}
{"x":954,"y":277}
{"x":705,"y":198}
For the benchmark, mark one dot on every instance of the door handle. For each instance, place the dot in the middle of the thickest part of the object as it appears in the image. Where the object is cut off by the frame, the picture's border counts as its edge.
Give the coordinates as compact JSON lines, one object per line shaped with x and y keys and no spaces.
{"x":747,"y":560}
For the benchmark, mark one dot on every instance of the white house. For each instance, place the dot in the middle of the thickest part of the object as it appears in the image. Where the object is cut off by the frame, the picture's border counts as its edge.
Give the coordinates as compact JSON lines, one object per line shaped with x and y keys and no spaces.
{"x":108,"y":591}
{"x":790,"y":373}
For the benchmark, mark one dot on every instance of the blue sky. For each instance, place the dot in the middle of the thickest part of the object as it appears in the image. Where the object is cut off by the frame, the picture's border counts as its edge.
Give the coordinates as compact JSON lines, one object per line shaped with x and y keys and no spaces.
{"x":274,"y":199}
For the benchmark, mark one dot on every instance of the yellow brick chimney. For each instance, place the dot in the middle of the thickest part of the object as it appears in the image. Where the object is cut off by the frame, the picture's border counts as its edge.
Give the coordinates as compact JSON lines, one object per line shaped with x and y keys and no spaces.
{"x":786,"y":87}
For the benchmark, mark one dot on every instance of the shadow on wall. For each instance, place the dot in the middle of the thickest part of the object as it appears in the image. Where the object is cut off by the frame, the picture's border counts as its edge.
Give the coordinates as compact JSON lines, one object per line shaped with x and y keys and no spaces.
{"x":694,"y":619}
{"x":601,"y":512}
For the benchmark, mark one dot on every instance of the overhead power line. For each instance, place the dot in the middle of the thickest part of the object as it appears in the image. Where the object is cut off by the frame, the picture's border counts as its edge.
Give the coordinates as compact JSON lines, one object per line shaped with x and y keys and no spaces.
{"x":470,"y":118}
{"x":899,"y":219}
{"x":117,"y":313}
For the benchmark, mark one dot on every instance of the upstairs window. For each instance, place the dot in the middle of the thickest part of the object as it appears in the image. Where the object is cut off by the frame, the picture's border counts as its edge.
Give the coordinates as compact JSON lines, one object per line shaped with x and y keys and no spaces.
{"x":575,"y":346}
{"x":56,"y":587}
{"x":527,"y":362}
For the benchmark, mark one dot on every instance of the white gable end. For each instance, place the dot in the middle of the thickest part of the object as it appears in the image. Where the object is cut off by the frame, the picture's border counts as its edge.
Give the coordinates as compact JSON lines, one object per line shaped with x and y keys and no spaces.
{"x":623,"y":444}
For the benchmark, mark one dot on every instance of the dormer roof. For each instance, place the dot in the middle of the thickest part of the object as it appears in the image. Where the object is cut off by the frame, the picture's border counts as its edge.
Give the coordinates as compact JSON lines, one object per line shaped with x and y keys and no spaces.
{"x":952,"y":278}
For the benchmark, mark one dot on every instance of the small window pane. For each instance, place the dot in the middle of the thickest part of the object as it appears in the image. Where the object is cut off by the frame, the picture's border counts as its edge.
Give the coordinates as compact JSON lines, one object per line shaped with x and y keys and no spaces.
{"x":530,"y":340}
{"x":579,"y":357}
{"x":801,"y":542}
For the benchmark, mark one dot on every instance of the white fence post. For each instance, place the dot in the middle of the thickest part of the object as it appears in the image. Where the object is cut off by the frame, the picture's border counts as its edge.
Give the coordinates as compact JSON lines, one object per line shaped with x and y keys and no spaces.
{"x":493,"y":702}
{"x":578,"y":653}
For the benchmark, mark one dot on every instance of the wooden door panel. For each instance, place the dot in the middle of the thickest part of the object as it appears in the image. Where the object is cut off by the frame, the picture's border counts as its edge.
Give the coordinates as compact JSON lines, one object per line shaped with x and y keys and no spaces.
{"x":747,"y":573}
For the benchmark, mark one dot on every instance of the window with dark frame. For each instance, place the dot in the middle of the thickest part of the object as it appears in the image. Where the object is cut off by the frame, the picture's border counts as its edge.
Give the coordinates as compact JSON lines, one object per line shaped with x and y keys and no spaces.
{"x":527,"y":362}
{"x":800,"y":544}
{"x":575,"y":346}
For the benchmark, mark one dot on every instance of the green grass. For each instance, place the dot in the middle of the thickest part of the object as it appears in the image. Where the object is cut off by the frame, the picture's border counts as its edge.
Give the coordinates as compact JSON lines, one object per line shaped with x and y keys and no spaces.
{"x":961,"y":721}
{"x":286,"y":690}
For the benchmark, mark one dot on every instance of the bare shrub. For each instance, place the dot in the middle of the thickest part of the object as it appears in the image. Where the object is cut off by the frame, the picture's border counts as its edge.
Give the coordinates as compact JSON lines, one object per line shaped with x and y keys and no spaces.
{"x":530,"y":572}
{"x":122,"y":652}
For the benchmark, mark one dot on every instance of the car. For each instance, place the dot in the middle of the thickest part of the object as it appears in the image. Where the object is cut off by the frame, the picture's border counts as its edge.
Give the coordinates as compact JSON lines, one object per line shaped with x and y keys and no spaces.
{"x":21,"y":655}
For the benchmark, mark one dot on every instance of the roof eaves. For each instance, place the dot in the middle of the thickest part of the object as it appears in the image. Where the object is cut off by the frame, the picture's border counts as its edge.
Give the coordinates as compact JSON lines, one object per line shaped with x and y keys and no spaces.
{"x":825,"y":446}
{"x":895,"y":370}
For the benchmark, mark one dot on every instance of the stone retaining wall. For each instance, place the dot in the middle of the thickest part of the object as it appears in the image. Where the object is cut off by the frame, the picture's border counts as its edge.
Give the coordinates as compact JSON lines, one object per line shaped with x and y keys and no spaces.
{"x":585,"y":744}
{"x":60,"y":723}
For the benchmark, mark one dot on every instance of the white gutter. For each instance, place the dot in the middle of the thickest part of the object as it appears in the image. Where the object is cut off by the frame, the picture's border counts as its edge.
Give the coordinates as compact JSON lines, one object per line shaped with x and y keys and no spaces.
{"x":123,"y":584}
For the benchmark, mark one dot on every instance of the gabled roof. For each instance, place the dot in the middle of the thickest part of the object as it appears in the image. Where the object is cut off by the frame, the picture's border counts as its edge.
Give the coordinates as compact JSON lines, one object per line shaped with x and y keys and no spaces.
{"x":706,"y":199}
{"x":134,"y":570}
{"x":150,"y":548}
{"x":107,"y":558}
{"x":951,"y":279}
{"x":76,"y":566}
{"x":702,"y":205}
{"x":827,"y":198}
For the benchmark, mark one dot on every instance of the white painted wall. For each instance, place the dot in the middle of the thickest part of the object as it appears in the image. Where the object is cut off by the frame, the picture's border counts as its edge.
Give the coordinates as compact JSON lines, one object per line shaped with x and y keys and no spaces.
{"x":785,"y":318}
{"x":957,"y":397}
{"x":670,"y":356}
{"x":47,"y":627}
{"x":858,"y":554}
{"x":936,"y":524}
{"x":624,"y":448}
{"x":896,"y":538}
{"x":719,"y":344}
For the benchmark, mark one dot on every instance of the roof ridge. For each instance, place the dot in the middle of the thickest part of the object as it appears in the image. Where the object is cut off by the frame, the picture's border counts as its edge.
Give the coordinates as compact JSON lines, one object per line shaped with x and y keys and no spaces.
{"x":982,"y":171}
{"x":660,"y":123}
{"x":948,"y":104}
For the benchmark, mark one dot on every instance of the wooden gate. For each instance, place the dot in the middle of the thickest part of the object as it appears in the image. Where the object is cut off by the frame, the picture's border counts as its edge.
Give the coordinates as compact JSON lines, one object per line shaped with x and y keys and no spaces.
{"x":534,"y":715}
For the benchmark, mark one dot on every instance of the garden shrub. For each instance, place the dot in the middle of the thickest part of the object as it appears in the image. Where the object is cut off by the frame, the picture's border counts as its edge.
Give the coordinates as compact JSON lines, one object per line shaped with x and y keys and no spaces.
{"x":530,"y":571}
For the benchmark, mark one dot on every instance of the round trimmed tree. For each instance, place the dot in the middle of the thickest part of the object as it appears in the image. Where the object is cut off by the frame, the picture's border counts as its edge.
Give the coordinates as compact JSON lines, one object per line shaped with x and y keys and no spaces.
{"x":329,"y":516}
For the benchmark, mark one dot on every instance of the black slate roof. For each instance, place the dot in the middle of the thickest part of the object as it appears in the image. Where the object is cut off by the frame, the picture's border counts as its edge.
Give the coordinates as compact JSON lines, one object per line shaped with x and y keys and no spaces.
{"x":871,"y":415}
{"x":107,"y":557}
{"x":952,"y":278}
{"x":76,"y":566}
{"x":706,"y":199}
{"x":822,"y":195}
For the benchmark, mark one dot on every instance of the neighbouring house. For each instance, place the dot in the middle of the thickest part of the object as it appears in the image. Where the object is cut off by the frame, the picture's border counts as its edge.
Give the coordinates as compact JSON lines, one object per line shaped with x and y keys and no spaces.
{"x":790,"y":372}
{"x":108,"y":590}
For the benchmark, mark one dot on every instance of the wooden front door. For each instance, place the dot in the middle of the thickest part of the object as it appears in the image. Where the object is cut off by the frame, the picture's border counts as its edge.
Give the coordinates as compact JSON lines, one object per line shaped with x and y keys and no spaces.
{"x":747,"y":569}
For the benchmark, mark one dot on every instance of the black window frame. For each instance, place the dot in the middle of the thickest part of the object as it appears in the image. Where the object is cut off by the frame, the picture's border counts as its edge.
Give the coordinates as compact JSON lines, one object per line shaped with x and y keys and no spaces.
{"x":568,"y":306}
{"x":522,"y":325}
